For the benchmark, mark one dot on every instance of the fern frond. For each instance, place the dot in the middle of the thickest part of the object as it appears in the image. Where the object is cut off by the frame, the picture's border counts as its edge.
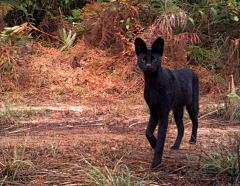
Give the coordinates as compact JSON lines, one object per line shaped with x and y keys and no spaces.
{"x":5,"y":7}
{"x":11,"y":4}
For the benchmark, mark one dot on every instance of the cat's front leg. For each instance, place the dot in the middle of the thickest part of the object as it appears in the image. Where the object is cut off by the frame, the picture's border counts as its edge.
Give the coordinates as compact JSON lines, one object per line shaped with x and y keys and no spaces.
{"x":153,"y":121}
{"x":162,"y":130}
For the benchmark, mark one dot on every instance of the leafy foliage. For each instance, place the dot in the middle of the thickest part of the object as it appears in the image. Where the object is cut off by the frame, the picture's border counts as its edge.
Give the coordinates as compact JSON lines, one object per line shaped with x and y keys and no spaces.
{"x":9,"y":4}
{"x":76,"y":15}
{"x":37,"y":12}
{"x":68,"y":40}
{"x":16,"y":35}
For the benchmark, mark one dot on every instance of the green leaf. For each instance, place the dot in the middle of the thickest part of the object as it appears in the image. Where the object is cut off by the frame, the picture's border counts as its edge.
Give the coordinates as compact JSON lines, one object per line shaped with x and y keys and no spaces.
{"x":28,"y":2}
{"x":233,"y":96}
{"x":64,"y":34}
{"x":60,"y":33}
{"x":72,"y":39}
{"x":191,"y":20}
{"x":128,"y":23}
{"x":69,"y":36}
{"x":130,"y":35}
{"x":68,"y":42}
{"x":214,"y":11}
{"x":121,"y":21}
{"x":234,"y":18}
{"x":49,"y":40}
{"x":35,"y":7}
{"x":231,"y":2}
{"x":202,"y":13}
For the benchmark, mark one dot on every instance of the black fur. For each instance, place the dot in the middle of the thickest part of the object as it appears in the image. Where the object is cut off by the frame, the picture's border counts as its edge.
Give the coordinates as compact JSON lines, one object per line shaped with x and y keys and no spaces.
{"x":166,"y":90}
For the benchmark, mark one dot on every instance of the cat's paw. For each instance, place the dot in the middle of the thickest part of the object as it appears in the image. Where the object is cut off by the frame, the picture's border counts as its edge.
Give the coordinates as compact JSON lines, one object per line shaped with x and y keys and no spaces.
{"x":192,"y":141}
{"x":155,"y":168}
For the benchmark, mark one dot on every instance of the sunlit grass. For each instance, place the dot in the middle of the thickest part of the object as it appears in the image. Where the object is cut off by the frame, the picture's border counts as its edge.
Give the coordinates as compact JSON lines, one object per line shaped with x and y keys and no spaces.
{"x":8,"y":114}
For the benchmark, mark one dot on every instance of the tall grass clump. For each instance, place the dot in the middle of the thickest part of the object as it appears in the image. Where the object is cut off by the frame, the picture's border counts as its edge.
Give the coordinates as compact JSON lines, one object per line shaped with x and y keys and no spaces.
{"x":223,"y":160}
{"x":14,"y":165}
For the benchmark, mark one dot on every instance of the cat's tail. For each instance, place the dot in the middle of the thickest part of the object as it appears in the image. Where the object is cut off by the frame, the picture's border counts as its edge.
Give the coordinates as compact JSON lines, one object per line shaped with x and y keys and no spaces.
{"x":195,"y":95}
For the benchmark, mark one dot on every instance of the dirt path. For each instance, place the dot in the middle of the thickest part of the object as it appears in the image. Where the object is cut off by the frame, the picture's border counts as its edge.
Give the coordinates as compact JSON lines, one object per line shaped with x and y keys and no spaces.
{"x":70,"y":133}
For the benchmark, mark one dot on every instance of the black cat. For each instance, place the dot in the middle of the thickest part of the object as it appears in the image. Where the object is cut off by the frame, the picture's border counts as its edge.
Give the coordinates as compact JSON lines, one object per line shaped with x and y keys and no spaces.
{"x":165,"y":90}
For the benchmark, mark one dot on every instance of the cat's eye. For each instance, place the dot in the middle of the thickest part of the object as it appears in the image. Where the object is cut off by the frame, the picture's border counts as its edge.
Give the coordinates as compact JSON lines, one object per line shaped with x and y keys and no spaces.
{"x":154,"y":60}
{"x":143,"y":60}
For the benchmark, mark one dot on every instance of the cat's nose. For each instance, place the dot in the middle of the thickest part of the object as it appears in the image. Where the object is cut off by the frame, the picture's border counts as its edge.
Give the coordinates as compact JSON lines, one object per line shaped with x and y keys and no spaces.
{"x":148,"y":65}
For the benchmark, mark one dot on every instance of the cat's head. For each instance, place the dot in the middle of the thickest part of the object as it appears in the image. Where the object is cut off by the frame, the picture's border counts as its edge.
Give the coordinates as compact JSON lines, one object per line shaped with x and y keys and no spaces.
{"x":149,"y":59}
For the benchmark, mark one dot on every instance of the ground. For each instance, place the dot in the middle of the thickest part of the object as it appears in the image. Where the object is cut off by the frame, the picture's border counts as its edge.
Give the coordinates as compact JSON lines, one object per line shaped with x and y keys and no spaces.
{"x":85,"y":129}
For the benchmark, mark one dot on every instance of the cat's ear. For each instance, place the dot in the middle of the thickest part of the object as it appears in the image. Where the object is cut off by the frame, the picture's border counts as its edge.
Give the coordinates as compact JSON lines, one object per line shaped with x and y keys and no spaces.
{"x":157,"y":46}
{"x":140,"y":46}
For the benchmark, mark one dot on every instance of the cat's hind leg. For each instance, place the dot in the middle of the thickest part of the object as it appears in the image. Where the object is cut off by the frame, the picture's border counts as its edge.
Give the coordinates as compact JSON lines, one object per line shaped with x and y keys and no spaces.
{"x":178,"y":116}
{"x":193,"y":113}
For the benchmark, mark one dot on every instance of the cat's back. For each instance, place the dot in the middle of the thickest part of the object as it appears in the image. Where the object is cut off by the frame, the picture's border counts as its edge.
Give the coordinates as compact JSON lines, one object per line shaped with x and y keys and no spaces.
{"x":184,"y":72}
{"x":185,"y":75}
{"x":183,"y":83}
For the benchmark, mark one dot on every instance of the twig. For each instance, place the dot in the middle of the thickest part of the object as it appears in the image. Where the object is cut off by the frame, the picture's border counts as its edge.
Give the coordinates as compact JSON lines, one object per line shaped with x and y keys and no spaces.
{"x":24,"y":146}
{"x":136,"y":123}
{"x":4,"y":180}
{"x":19,"y":130}
{"x":180,"y":168}
{"x":34,"y":28}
